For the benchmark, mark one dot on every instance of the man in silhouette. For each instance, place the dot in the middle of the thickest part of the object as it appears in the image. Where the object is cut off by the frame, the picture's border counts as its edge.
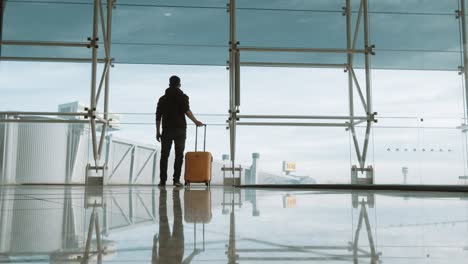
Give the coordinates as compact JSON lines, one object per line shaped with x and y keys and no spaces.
{"x":172,"y":108}
{"x":171,"y":247}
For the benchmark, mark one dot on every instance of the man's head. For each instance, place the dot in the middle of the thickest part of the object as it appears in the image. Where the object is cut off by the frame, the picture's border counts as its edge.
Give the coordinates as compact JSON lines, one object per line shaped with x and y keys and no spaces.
{"x":174,"y":81}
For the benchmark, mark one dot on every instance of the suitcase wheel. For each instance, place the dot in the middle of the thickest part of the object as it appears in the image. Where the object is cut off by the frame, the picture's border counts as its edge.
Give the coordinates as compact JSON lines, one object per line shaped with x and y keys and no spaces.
{"x":187,"y":183}
{"x":207,"y":183}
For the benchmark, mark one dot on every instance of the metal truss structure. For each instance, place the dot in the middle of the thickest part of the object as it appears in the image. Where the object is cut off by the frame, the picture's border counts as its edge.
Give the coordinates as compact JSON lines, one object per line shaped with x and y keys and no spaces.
{"x":310,"y":253}
{"x":349,"y":122}
{"x":102,"y":16}
{"x":461,"y":16}
{"x":140,"y":157}
{"x":102,"y":26}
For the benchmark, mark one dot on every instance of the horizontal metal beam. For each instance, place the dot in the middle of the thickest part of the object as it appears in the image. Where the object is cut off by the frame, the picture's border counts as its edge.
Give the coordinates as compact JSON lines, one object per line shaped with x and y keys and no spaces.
{"x":44,"y":43}
{"x":286,"y":124}
{"x":43,"y":113}
{"x":292,"y":248}
{"x":49,"y":59}
{"x":101,"y":119}
{"x":301,"y":259}
{"x":46,"y":121}
{"x":301,"y":50}
{"x":230,"y":169}
{"x":460,"y":189}
{"x":123,"y":143}
{"x":293,"y":65}
{"x":359,"y":122}
{"x":302,"y":117}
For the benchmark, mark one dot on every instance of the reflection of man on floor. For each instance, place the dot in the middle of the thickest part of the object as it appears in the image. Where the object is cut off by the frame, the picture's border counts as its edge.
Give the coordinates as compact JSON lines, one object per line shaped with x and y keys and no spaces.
{"x":171,"y":247}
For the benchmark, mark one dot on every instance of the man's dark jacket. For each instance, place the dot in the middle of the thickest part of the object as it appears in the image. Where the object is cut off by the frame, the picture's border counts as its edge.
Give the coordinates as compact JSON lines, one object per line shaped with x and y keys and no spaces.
{"x":172,"y":107}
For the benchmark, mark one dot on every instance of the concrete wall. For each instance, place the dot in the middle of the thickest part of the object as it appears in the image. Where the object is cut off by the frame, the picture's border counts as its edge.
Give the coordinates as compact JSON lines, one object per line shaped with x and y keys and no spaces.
{"x":41,"y":153}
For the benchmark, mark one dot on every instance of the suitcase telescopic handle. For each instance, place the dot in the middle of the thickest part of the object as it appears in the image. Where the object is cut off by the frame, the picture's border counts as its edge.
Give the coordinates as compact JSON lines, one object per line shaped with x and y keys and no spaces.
{"x":196,"y":138}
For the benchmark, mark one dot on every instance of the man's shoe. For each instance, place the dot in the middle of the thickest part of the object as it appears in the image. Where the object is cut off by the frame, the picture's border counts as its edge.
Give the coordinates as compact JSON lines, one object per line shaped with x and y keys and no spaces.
{"x":162,"y":184}
{"x":178,"y":184}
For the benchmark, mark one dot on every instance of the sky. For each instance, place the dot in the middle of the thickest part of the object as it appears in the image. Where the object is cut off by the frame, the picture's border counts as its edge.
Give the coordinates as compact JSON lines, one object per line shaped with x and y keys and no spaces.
{"x":164,"y":32}
{"x":434,"y":151}
{"x":147,"y":33}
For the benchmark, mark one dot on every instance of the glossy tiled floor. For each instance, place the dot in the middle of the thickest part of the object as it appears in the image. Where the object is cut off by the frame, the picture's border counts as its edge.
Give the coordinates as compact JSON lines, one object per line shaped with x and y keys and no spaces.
{"x":148,"y":225}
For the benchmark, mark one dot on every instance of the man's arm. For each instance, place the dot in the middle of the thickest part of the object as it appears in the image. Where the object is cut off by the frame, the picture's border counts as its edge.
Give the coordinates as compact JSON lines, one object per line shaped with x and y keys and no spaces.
{"x":193,"y":118}
{"x":158,"y":130}
{"x":189,"y":113}
{"x":158,"y":120}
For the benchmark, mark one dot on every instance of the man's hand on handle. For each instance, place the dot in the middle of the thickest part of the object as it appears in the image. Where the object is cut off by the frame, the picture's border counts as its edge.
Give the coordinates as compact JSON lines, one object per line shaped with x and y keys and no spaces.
{"x":193,"y":118}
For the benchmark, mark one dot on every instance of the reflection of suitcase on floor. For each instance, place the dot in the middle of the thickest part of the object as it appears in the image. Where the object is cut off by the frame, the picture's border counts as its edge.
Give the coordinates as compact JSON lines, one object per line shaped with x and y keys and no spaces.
{"x":197,"y":206}
{"x":198,"y":164}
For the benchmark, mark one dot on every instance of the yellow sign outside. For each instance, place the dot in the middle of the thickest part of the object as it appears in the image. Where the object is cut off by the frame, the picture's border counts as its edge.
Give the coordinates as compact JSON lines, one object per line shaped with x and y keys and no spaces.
{"x":289,"y":166}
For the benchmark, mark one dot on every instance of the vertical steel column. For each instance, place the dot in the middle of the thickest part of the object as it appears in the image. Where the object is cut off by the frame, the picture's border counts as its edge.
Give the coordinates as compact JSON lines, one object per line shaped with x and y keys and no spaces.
{"x":92,"y":109}
{"x":89,"y":235}
{"x":350,"y":62}
{"x":3,"y":175}
{"x":465,"y":52}
{"x":155,"y":166}
{"x":98,"y":236}
{"x":233,"y":78}
{"x":369,"y":232}
{"x":364,"y":218}
{"x":368,"y":80}
{"x":105,"y":215}
{"x":237,"y":95}
{"x":110,"y":4}
{"x":132,"y":165}
{"x":231,"y":252}
{"x":349,"y":46}
{"x":2,"y":12}
{"x":131,"y":208}
{"x":107,"y":43}
{"x":107,"y":160}
{"x":367,"y":55}
{"x":465,"y":59}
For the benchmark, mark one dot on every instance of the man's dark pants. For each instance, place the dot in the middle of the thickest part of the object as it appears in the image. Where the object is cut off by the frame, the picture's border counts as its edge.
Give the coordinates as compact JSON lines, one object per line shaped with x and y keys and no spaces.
{"x":169,"y":135}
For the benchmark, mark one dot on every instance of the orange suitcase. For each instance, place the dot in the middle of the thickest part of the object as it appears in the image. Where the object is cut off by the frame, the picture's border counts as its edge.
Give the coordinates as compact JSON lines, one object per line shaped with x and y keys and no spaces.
{"x":198,"y":164}
{"x":197,"y":205}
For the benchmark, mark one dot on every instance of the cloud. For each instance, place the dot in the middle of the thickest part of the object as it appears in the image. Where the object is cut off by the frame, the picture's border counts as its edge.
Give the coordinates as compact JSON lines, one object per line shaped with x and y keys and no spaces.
{"x":175,"y":39}
{"x":322,"y":152}
{"x":191,"y":36}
